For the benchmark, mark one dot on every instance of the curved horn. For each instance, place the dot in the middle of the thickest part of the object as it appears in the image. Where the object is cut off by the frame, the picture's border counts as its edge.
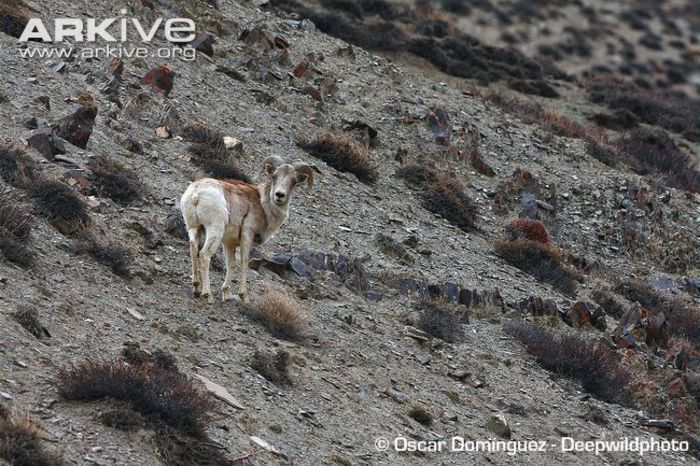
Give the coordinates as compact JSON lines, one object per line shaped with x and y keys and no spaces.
{"x":271,"y":163}
{"x":307,"y":170}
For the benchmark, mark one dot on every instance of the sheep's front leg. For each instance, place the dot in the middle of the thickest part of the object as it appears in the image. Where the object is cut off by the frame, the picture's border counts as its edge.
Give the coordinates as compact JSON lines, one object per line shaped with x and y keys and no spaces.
{"x":193,"y":234}
{"x":246,"y":242}
{"x":214,"y":235}
{"x":230,"y":257}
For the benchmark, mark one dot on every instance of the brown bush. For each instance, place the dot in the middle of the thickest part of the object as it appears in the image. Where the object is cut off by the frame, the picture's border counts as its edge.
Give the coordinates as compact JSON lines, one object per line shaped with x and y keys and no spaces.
{"x":595,"y":367}
{"x":343,"y":153}
{"x":274,"y":367}
{"x":115,"y":181}
{"x":282,"y":315}
{"x":20,"y":443}
{"x":108,"y":253}
{"x":653,"y":151}
{"x":178,"y":448}
{"x":421,"y":415}
{"x":542,"y":261}
{"x":16,"y":223}
{"x":16,"y":167}
{"x":443,"y":320}
{"x":60,"y":205}
{"x":441,"y":194}
{"x":209,"y":153}
{"x":14,"y":16}
{"x":28,"y":318}
{"x":159,"y":394}
{"x":534,"y":230}
{"x":123,"y":419}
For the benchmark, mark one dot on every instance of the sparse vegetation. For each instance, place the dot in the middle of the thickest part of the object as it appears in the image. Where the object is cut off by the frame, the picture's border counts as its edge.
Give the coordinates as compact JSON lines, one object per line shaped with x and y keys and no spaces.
{"x":16,"y":223}
{"x":542,"y":261}
{"x":115,"y":181}
{"x":421,"y":415}
{"x":274,"y":367}
{"x":60,"y":205}
{"x":652,"y":151}
{"x":209,"y":153}
{"x":343,"y":153}
{"x":123,"y":419}
{"x":29,"y":319}
{"x":596,"y":368}
{"x":280,"y":314}
{"x":16,"y":167}
{"x":443,"y":320}
{"x":20,"y":443}
{"x":527,"y":228}
{"x":158,"y":394}
{"x":441,"y":194}
{"x":108,"y":253}
{"x":611,"y":304}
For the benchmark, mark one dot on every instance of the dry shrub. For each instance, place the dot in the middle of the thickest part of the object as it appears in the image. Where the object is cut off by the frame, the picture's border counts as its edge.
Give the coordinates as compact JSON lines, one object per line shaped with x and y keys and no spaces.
{"x":595,"y":367}
{"x":274,"y":367}
{"x":527,"y":228}
{"x":653,"y":151}
{"x":610,"y":303}
{"x":282,"y":315}
{"x":20,"y":443}
{"x":108,"y":253}
{"x":343,"y":153}
{"x":443,"y":320}
{"x":158,"y":394}
{"x":209,"y":153}
{"x":683,"y":317}
{"x":29,"y":319}
{"x":421,"y":415}
{"x":115,"y":181}
{"x":60,"y":205}
{"x":542,"y":261}
{"x":133,"y":354}
{"x":14,"y":16}
{"x":441,"y":194}
{"x":16,"y":167}
{"x":530,"y":112}
{"x":670,"y":110}
{"x":16,"y":223}
{"x":178,"y":448}
{"x":123,"y":419}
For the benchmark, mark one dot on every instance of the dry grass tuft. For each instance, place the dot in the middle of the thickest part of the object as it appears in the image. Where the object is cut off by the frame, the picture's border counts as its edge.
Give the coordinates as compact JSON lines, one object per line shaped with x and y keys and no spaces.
{"x":443,"y":320}
{"x":534,"y":230}
{"x":441,"y":194}
{"x":60,"y":205}
{"x":178,"y":448}
{"x":20,"y":443}
{"x":343,"y":153}
{"x":115,"y":181}
{"x":16,"y":167}
{"x":421,"y":415}
{"x":123,"y":419}
{"x":110,"y":254}
{"x":274,"y":367}
{"x":282,"y":315}
{"x":653,"y":151}
{"x":29,"y":319}
{"x":611,"y":304}
{"x":158,"y":394}
{"x":209,"y":153}
{"x":595,"y":367}
{"x":16,"y":223}
{"x":542,"y":261}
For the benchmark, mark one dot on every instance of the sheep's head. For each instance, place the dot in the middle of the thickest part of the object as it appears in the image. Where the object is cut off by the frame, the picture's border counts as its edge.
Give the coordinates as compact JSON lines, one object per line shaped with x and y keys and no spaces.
{"x":285,"y":177}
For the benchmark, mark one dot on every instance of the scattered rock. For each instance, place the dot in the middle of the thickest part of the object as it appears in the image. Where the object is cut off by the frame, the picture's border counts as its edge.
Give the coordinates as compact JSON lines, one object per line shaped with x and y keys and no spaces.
{"x":160,"y":79}
{"x":47,"y":143}
{"x":219,"y":392}
{"x":204,"y":42}
{"x":163,"y":132}
{"x":639,"y":325}
{"x":499,"y":426}
{"x":77,"y":127}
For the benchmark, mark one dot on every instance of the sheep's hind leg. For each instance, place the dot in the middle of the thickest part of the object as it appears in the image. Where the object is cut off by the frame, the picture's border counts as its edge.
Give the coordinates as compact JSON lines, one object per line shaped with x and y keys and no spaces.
{"x":230,"y":256}
{"x":194,"y":236}
{"x":245,"y":257}
{"x":212,"y":243}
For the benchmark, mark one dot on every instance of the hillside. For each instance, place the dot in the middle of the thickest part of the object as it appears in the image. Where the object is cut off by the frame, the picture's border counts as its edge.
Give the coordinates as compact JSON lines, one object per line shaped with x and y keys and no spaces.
{"x":422,"y":297}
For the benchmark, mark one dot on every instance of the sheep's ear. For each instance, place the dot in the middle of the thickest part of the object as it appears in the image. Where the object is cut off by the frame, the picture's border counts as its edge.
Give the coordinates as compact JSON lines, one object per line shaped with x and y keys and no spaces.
{"x":271,"y":163}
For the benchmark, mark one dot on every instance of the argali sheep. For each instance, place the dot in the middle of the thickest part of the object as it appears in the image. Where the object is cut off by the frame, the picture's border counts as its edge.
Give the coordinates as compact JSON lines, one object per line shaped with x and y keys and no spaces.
{"x":238,"y":215}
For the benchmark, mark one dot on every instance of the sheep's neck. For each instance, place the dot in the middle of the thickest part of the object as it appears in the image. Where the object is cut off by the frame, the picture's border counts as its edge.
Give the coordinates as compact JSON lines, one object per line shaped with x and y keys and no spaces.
{"x":274,"y":214}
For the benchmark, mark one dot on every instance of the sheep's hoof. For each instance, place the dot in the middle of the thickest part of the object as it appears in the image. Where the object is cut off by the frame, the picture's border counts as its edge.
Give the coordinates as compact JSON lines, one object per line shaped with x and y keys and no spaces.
{"x":195,"y":290}
{"x":244,"y":297}
{"x":226,"y":295}
{"x":208,"y":297}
